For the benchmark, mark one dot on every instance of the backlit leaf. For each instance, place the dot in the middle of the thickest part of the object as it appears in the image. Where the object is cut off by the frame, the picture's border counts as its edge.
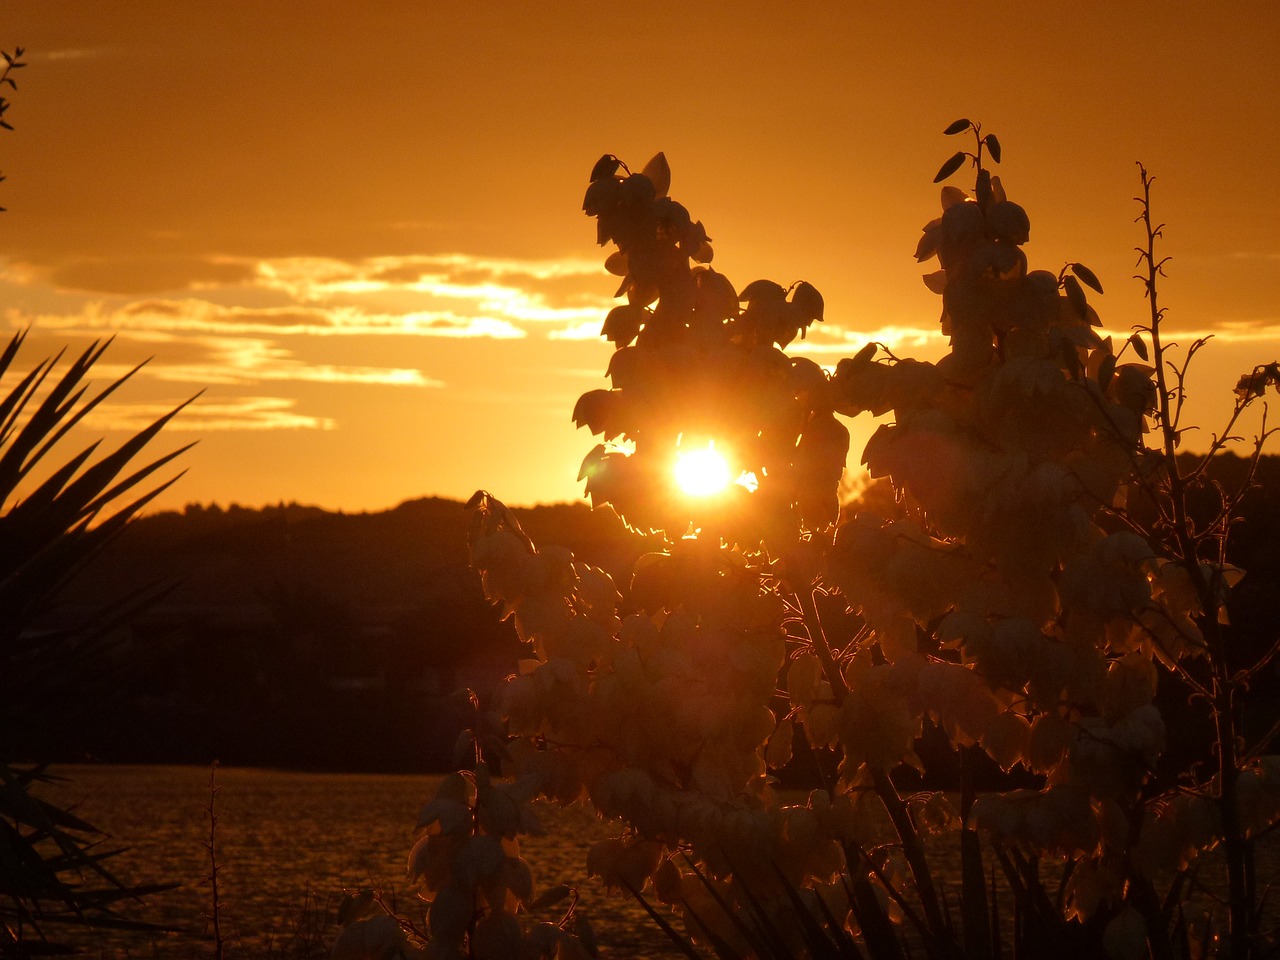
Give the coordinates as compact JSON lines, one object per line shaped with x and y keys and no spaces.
{"x":808,"y":301}
{"x":1087,"y":276}
{"x":600,"y":196}
{"x":993,"y":146}
{"x":592,"y":462}
{"x":982,"y":191}
{"x":622,"y":325}
{"x":1075,"y":294}
{"x":673,"y":218}
{"x":952,"y":195}
{"x":593,"y":410}
{"x":950,"y":167}
{"x":617,"y":263}
{"x":957,"y":126}
{"x":929,"y":243}
{"x":1139,"y":347}
{"x":659,"y":172}
{"x":1008,"y":222}
{"x":1106,"y":371}
{"x":997,"y":190}
{"x":605,"y":167}
{"x":778,"y":752}
{"x":638,"y":189}
{"x":762,"y":290}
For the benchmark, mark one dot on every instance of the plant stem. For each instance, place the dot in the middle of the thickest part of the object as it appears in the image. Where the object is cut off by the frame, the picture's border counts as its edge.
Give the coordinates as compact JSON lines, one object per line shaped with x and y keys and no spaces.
{"x":912,"y":849}
{"x":912,"y":846}
{"x":215,"y":915}
{"x":821,"y":648}
{"x":1234,"y":843}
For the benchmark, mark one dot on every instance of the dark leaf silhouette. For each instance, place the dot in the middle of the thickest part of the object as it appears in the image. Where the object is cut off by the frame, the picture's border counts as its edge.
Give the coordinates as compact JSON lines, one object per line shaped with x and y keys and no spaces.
{"x":1087,"y":276}
{"x":605,"y":167}
{"x":1139,"y":346}
{"x":950,"y":167}
{"x":982,"y":190}
{"x":659,"y":172}
{"x":808,"y":301}
{"x":1106,"y":371}
{"x":993,"y":146}
{"x":1075,"y":294}
{"x":762,"y":290}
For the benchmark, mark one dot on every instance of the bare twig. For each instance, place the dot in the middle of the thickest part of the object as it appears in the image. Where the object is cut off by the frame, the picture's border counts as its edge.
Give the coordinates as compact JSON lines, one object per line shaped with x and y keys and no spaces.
{"x":214,"y":917}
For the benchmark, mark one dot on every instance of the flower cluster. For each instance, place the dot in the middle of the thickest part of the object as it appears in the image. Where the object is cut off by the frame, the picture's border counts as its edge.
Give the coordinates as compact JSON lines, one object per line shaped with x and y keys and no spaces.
{"x":693,"y":365}
{"x":1005,"y":594}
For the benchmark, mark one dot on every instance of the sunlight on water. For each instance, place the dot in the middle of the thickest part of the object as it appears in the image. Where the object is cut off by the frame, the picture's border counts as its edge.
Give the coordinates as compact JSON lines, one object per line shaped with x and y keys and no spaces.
{"x":284,"y":835}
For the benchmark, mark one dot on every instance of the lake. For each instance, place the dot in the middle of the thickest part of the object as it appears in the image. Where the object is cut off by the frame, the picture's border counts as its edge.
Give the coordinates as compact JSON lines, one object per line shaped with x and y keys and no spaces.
{"x":290,"y":843}
{"x":284,"y":837}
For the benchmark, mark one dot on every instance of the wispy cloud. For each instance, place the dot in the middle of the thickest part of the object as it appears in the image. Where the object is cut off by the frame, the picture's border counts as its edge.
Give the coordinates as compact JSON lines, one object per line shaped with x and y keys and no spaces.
{"x":72,"y":53}
{"x":1227,"y":331}
{"x":1265,"y":255}
{"x":830,"y":339}
{"x":204,"y":415}
{"x":586,"y":330}
{"x":245,"y":360}
{"x":450,"y":295}
{"x":209,"y":360}
{"x":563,"y":292}
{"x":244,"y":327}
{"x":142,"y":275}
{"x":195,"y":316}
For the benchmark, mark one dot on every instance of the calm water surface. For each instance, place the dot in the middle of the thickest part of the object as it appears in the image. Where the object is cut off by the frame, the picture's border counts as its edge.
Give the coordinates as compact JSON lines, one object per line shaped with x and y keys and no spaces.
{"x":283,"y":837}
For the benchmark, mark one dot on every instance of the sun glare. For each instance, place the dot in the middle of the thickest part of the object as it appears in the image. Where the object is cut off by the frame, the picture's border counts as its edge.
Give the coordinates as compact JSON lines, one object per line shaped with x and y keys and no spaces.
{"x":702,"y":473}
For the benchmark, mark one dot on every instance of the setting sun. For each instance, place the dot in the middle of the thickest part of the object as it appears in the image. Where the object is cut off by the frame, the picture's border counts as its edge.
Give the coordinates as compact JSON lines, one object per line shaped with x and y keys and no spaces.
{"x":702,"y":473}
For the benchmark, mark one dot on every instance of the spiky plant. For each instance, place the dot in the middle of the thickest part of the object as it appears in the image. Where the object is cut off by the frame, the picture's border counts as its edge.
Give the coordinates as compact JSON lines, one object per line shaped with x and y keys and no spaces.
{"x":56,"y":513}
{"x":51,"y":870}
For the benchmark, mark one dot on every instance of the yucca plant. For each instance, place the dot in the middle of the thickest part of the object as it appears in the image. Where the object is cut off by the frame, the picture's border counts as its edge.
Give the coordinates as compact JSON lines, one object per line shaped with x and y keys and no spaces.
{"x":47,"y":536}
{"x":1021,"y":919}
{"x":56,"y":514}
{"x":1014,"y":593}
{"x":52,"y":871}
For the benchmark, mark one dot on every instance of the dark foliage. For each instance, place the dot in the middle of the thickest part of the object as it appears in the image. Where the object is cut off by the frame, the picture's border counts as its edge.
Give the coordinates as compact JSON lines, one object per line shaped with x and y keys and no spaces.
{"x":303,"y":638}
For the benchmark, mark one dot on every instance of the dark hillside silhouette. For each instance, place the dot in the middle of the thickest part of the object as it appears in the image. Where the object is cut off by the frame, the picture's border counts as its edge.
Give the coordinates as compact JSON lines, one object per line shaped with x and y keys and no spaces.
{"x":292,"y":636}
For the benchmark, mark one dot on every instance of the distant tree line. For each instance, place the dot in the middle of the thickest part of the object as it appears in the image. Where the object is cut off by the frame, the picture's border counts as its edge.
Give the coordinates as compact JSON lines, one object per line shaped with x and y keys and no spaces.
{"x":293,"y":636}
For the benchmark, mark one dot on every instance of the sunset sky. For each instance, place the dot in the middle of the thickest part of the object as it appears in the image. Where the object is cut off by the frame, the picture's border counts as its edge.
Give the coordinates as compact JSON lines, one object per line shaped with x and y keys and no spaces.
{"x":357,"y":226}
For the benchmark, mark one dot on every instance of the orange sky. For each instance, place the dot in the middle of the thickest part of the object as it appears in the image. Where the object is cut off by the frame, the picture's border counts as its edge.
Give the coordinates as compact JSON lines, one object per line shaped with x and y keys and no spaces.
{"x":358,"y":226}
